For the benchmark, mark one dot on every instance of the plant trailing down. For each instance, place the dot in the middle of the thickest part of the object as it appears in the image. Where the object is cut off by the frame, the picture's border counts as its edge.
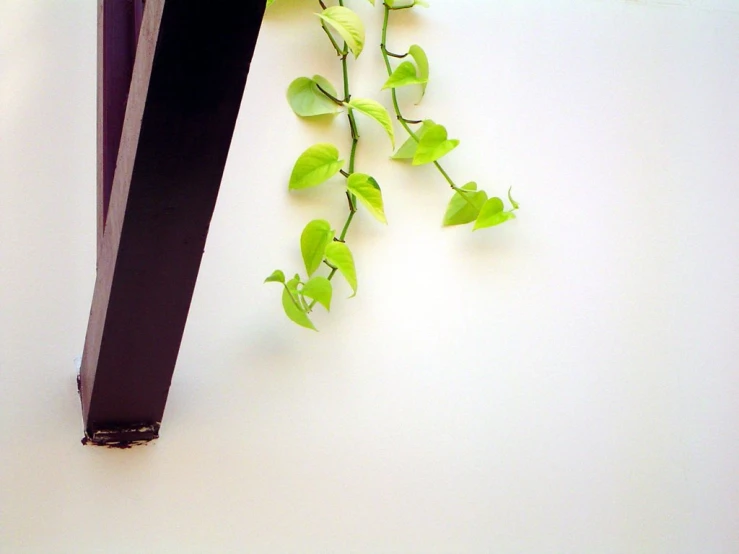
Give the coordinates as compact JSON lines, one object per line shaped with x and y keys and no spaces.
{"x":309,"y":97}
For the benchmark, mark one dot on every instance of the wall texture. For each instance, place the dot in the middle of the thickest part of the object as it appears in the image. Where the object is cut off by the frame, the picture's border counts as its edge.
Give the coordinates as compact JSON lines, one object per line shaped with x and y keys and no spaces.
{"x":564,"y":383}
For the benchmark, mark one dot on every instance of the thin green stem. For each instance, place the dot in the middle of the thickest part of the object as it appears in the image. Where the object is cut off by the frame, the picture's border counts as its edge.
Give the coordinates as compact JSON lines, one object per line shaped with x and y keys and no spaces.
{"x":342,"y":236}
{"x":386,"y":57}
{"x":345,"y":73}
{"x":403,"y":121}
{"x":446,"y":176}
{"x":331,"y":38}
{"x":354,"y":129}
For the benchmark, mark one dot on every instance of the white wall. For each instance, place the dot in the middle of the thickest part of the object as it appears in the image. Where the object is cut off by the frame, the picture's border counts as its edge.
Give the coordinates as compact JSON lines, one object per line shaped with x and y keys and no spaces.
{"x":564,"y":383}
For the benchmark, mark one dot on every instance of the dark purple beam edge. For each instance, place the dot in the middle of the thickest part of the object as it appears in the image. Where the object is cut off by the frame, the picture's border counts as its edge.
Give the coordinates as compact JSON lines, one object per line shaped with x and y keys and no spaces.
{"x":117,"y":37}
{"x":191,"y":68}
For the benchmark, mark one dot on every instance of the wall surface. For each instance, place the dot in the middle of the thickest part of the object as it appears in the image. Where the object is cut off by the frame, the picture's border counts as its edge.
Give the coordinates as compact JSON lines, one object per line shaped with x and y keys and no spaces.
{"x":564,"y":383}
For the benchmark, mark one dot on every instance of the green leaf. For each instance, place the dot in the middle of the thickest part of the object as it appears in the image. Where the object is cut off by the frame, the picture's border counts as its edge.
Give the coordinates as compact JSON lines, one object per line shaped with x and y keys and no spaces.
{"x":433,"y":145}
{"x":270,"y":2}
{"x":404,"y":75}
{"x":292,"y":305}
{"x":316,"y":165}
{"x":511,"y":200}
{"x":492,"y":214}
{"x":306,"y":99}
{"x":367,"y":191}
{"x":276,"y":277}
{"x":376,"y":111}
{"x":347,"y":24}
{"x":402,"y":4}
{"x":464,"y":207}
{"x":313,"y":241}
{"x":422,"y":62}
{"x":408,"y":150}
{"x":339,"y":256}
{"x":319,"y":289}
{"x":370,"y":1}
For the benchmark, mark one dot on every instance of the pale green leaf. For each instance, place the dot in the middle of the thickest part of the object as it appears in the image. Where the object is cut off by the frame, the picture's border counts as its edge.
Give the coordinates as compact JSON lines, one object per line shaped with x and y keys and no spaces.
{"x":367,"y":191}
{"x":402,"y":4}
{"x":339,"y":256}
{"x":292,"y":305}
{"x":511,"y":200}
{"x":270,"y":2}
{"x":408,"y":150}
{"x":276,"y":277}
{"x":316,"y":165}
{"x":347,"y":24}
{"x":370,"y":1}
{"x":313,"y":241}
{"x":319,"y":289}
{"x":433,"y":145}
{"x":492,"y":214}
{"x":376,"y":111}
{"x":404,"y":75}
{"x":422,"y":62}
{"x":306,"y":99}
{"x":464,"y":207}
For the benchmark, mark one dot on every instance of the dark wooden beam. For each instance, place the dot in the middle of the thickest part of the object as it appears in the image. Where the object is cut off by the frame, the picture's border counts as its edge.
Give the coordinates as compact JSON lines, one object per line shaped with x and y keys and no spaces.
{"x":188,"y":79}
{"x":117,"y":39}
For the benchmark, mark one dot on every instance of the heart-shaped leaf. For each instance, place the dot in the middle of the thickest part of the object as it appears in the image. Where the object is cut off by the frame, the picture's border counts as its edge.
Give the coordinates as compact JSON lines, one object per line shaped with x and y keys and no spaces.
{"x":347,"y":24}
{"x":339,"y":256}
{"x":276,"y":277}
{"x":307,"y":100}
{"x":401,"y":4}
{"x":492,"y":214}
{"x":376,"y":111}
{"x":292,"y":305}
{"x":404,"y":75}
{"x":433,"y":145}
{"x":313,"y":241}
{"x":319,"y":289}
{"x":367,"y":191}
{"x":316,"y":165}
{"x":422,"y":62}
{"x":408,"y":150}
{"x":464,"y":207}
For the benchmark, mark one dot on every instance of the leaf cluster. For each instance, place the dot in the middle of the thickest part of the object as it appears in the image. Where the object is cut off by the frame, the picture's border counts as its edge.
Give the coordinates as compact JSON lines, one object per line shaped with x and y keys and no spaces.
{"x":314,"y":97}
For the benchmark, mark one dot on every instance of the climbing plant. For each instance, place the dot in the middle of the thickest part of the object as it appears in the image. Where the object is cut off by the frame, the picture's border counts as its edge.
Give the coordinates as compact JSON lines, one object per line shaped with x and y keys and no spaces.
{"x":321,"y":244}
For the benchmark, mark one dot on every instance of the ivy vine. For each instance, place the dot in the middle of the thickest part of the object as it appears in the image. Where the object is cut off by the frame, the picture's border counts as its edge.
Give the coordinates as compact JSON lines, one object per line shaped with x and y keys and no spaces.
{"x":427,"y":142}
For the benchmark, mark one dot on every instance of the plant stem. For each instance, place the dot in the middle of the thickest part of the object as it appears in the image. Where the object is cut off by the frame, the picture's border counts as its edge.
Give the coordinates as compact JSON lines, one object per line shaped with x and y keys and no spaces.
{"x":345,"y":72}
{"x":403,"y":121}
{"x":329,"y":95}
{"x":386,"y":57}
{"x":355,"y":140}
{"x":331,"y":37}
{"x":343,"y":53}
{"x":342,"y":236}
